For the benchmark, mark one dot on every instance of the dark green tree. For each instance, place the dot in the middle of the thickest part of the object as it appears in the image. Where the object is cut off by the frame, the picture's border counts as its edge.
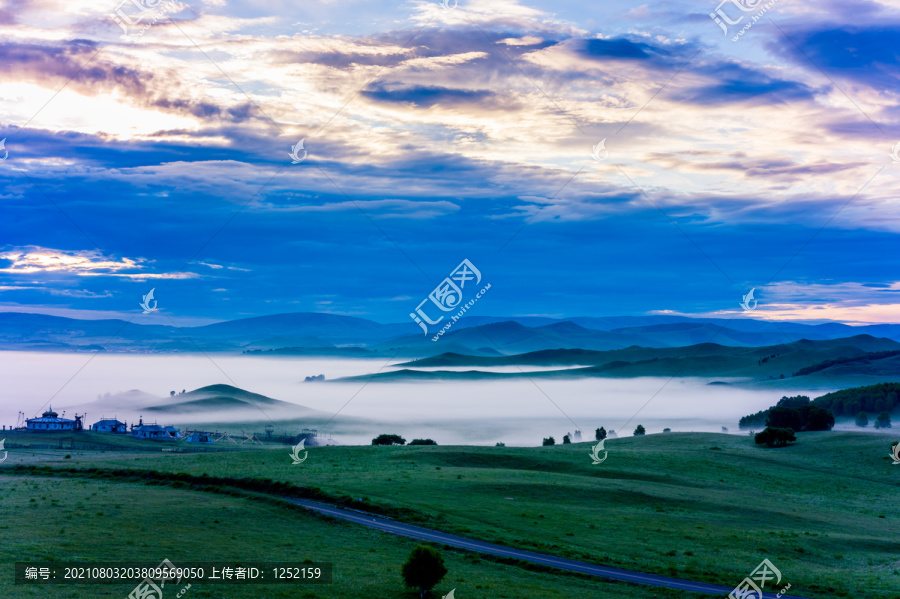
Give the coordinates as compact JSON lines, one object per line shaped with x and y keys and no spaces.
{"x":423,"y":569}
{"x":422,"y":442}
{"x":566,"y":439}
{"x":639,"y":430}
{"x":883,"y":420}
{"x":862,"y":419}
{"x":817,"y":419}
{"x":600,"y":434}
{"x":549,"y":441}
{"x":388,"y":440}
{"x":775,"y":437}
{"x":784,"y":417}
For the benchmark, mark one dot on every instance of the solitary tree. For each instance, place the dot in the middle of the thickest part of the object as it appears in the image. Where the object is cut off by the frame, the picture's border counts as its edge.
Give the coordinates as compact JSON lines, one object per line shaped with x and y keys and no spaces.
{"x":388,"y":440}
{"x":639,"y":430}
{"x":566,"y":439}
{"x":883,"y":421}
{"x":171,"y":393}
{"x":862,"y":419}
{"x":423,"y":569}
{"x":549,"y":441}
{"x":667,"y":430}
{"x":600,"y":434}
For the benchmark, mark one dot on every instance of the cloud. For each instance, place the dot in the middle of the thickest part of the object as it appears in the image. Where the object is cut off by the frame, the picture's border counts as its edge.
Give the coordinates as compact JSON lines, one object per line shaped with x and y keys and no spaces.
{"x":32,"y":260}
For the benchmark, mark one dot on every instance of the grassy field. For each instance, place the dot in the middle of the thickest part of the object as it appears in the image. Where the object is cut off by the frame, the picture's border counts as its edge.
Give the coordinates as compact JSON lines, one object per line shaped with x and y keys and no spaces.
{"x":697,"y":506}
{"x":79,"y":519}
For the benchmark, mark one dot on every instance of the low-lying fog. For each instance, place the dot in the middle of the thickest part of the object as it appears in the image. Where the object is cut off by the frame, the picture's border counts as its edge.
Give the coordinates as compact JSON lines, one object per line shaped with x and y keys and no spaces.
{"x":517,"y":412}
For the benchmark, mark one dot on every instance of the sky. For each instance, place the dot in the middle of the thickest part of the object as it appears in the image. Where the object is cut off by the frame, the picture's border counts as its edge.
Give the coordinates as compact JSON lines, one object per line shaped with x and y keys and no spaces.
{"x":589,"y":160}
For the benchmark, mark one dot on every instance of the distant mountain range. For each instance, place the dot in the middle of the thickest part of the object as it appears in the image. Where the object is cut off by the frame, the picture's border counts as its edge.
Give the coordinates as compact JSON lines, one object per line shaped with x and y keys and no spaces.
{"x":862,"y":357}
{"x":329,"y":334}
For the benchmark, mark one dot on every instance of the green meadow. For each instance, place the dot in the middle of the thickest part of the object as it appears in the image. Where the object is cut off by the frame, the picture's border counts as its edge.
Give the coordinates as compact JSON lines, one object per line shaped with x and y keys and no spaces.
{"x":698,"y":506}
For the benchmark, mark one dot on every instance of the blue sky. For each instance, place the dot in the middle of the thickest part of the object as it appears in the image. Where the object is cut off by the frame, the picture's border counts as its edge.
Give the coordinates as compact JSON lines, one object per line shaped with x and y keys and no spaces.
{"x":158,"y":157}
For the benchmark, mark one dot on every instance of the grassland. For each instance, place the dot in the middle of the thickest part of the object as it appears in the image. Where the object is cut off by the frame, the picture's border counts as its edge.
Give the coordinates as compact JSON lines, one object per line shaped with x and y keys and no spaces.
{"x":697,"y":506}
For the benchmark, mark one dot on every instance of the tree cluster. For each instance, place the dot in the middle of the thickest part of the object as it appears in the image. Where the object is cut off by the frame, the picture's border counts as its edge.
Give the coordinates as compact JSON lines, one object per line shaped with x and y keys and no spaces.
{"x":796,"y":413}
{"x":775,"y":437}
{"x":883,"y":397}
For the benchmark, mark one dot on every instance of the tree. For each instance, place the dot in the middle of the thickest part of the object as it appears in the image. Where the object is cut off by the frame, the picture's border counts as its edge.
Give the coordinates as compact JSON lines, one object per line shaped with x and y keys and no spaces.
{"x":817,"y":419}
{"x":883,"y":421}
{"x":422,"y":442}
{"x":600,"y":434}
{"x":171,"y":393}
{"x":667,"y":430}
{"x":566,"y":439}
{"x":724,"y":429}
{"x":639,"y":430}
{"x":784,"y":417}
{"x":549,"y":441}
{"x":423,"y":569}
{"x":388,"y":440}
{"x":775,"y":437}
{"x":862,"y":419}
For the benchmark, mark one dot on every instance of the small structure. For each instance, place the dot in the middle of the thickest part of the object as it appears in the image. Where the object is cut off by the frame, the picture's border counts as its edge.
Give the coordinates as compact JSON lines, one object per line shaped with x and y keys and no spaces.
{"x":198,"y":437}
{"x":109,"y":425}
{"x":50,"y":421}
{"x":153,"y":431}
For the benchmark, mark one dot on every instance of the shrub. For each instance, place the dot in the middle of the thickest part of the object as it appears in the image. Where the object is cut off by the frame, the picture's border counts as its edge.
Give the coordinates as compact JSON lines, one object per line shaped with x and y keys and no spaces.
{"x":388,"y":440}
{"x":667,"y":430}
{"x":549,"y":441}
{"x":423,"y":569}
{"x":422,"y":442}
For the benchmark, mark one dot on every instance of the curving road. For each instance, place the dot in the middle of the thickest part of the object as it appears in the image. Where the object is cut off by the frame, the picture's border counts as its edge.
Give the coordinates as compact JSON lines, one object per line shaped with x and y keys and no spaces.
{"x":426,"y":534}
